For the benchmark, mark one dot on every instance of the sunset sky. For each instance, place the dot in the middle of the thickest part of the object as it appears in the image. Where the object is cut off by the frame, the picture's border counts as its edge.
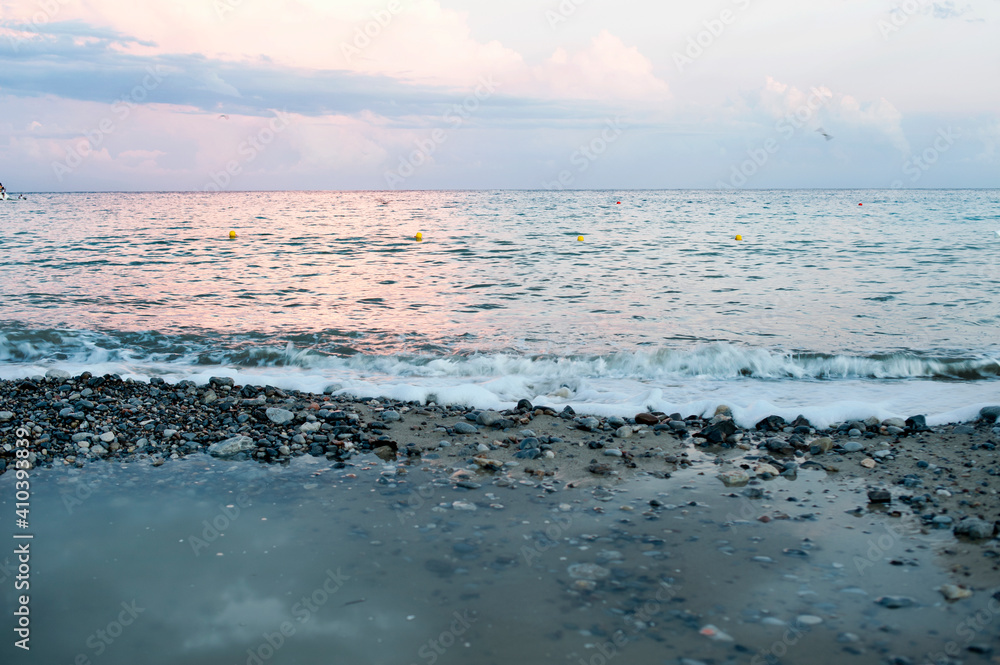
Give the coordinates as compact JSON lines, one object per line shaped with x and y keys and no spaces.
{"x":437,"y":94}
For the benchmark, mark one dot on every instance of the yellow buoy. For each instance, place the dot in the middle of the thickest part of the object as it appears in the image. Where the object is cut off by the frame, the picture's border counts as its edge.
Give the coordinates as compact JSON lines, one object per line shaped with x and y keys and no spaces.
{"x":580,"y":238}
{"x":739,"y":237}
{"x":419,"y":236}
{"x":232,"y":235}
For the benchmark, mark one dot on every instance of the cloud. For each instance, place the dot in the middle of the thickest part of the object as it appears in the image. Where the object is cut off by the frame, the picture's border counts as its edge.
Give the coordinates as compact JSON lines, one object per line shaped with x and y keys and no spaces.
{"x":837,"y":110}
{"x":606,"y":69}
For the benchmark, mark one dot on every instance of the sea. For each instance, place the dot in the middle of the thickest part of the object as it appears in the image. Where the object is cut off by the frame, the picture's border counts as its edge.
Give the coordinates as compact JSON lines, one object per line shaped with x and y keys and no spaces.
{"x":832,"y":304}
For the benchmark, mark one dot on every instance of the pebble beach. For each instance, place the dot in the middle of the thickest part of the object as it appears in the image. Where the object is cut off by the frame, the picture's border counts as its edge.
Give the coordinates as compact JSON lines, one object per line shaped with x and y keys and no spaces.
{"x":945,"y":475}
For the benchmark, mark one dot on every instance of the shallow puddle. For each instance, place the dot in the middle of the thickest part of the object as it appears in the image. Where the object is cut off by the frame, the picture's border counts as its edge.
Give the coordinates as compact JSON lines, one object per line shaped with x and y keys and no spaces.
{"x":205,"y":561}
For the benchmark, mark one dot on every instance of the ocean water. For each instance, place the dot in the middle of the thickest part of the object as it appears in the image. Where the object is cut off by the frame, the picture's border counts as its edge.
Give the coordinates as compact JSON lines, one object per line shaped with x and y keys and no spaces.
{"x":825,"y":307}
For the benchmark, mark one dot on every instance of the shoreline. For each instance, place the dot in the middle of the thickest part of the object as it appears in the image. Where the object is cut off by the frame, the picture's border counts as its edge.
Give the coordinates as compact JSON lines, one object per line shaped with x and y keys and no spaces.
{"x":941,"y":474}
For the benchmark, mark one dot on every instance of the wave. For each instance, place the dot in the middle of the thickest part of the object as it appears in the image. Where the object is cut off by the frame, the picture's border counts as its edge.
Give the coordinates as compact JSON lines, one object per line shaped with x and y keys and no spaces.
{"x":335,"y":352}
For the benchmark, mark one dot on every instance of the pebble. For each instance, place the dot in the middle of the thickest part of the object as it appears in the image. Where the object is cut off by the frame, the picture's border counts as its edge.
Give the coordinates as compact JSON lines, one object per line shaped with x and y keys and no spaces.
{"x":279,"y":416}
{"x":953,"y":592}
{"x":868,"y":463}
{"x":975,"y":528}
{"x":766,"y":470}
{"x":895,"y":602}
{"x":853,"y":447}
{"x":528,"y":442}
{"x":587,"y":571}
{"x":612,"y":452}
{"x":463,"y":427}
{"x":646,"y":419}
{"x":391,"y":416}
{"x":823,"y":444}
{"x":964,"y":429}
{"x":232,"y":446}
{"x":734,"y":478}
{"x":808,"y":620}
{"x":463,"y":505}
{"x":714,"y":633}
{"x":623,"y":432}
{"x":5,"y":416}
{"x":107,"y":437}
{"x":487,"y":463}
{"x":854,"y":433}
{"x":488,"y":418}
{"x":879,"y":496}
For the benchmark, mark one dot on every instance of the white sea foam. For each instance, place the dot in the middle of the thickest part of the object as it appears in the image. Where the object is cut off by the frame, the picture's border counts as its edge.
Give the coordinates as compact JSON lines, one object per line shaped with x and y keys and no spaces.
{"x":825,"y":390}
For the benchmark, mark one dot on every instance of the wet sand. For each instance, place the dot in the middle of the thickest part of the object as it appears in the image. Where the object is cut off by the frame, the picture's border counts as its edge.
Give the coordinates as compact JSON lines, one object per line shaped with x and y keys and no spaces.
{"x":594,"y":532}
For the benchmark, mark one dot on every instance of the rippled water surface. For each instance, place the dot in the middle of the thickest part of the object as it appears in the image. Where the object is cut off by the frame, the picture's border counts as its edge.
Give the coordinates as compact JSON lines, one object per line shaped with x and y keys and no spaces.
{"x":496,"y":270}
{"x":334,"y":287}
{"x":231,"y":561}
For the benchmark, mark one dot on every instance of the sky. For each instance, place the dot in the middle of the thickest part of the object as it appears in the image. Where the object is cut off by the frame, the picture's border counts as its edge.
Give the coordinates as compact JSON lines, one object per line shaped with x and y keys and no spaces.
{"x":233,"y":95}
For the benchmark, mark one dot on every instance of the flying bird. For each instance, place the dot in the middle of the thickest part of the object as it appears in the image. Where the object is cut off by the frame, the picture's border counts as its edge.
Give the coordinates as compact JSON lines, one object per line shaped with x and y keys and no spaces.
{"x":825,"y":135}
{"x":224,"y":117}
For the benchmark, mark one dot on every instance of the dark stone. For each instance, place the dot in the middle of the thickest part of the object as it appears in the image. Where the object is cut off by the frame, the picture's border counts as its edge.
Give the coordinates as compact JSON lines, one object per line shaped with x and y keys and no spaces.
{"x":524,"y":405}
{"x":528,"y":453}
{"x":528,"y":442}
{"x":895,"y":602}
{"x":718,"y":432}
{"x":977,"y":529}
{"x":801,"y":421}
{"x":879,"y":496}
{"x":600,"y":469}
{"x":646,"y":419}
{"x":779,"y":446}
{"x":771,"y":424}
{"x":989,"y":413}
{"x":917,"y":424}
